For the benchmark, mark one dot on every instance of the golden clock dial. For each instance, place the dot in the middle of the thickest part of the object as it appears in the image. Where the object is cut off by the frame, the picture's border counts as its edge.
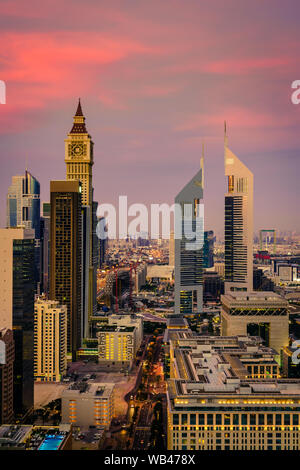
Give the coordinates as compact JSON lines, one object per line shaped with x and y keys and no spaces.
{"x":77,"y":150}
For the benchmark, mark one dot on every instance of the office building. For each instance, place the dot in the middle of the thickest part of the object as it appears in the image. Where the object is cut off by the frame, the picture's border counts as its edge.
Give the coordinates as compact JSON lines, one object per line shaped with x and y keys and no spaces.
{"x":17,"y":308}
{"x":226,"y":394}
{"x":50,"y":340}
{"x":189,"y":258}
{"x":88,"y":404}
{"x":263,"y":314}
{"x":119,"y":340}
{"x":79,"y":159}
{"x":238,"y":224}
{"x":45,"y":248}
{"x":66,"y":256}
{"x":23,"y":210}
{"x":7,"y":357}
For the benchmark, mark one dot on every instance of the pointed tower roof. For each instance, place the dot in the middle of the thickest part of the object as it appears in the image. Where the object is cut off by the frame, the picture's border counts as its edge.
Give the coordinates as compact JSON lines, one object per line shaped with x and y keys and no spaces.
{"x":79,"y":121}
{"x":79,"y":110}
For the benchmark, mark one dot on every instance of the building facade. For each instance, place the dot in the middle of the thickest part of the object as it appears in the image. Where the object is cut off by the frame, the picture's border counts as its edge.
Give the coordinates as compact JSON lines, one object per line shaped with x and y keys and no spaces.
{"x":79,"y":159}
{"x":88,"y":404}
{"x":17,"y":283}
{"x":188,"y":261}
{"x":263,"y":314}
{"x":50,"y":340}
{"x":238,"y":224}
{"x":66,"y":256}
{"x":7,"y":357}
{"x":23,"y":210}
{"x":226,"y":394}
{"x":45,"y":248}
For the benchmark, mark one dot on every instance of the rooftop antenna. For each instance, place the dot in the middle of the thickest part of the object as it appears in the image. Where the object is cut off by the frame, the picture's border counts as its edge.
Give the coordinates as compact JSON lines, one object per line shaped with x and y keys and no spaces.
{"x":202,"y":164}
{"x":225,"y":134}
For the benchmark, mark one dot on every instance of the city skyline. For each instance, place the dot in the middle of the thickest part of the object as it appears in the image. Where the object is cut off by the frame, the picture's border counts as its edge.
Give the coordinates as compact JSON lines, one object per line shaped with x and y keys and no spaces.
{"x":151,"y":95}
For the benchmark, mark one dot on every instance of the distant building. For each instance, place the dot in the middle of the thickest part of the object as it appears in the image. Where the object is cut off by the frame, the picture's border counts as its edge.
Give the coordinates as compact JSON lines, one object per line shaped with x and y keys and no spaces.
{"x":45,"y":248}
{"x":220,"y":269}
{"x":263,"y":314}
{"x":50,"y":340}
{"x":23,"y":210}
{"x":66,"y":256}
{"x":213,"y":287}
{"x":261,"y":282}
{"x":88,"y":404}
{"x":172,"y":249}
{"x":157,"y":272}
{"x":102,"y":245}
{"x":208,"y":249}
{"x":238,"y":224}
{"x":17,"y":308}
{"x":7,"y":357}
{"x":289,"y":367}
{"x":288,"y":272}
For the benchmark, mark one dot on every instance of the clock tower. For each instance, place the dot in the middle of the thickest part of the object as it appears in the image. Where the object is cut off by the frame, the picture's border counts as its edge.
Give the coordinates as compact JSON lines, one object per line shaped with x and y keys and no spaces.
{"x":79,"y":156}
{"x":79,"y":162}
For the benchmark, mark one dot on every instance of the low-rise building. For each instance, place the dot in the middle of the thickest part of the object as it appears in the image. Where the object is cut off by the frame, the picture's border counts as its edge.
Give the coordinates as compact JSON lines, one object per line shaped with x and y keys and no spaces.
{"x":225,"y":393}
{"x":119,"y":340}
{"x":88,"y":404}
{"x":28,"y":437}
{"x":263,"y":314}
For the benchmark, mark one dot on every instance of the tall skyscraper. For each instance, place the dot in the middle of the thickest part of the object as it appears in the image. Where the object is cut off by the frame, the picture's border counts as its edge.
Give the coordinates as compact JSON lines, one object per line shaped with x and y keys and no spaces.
{"x":45,"y":248}
{"x":188,"y":262}
{"x":23,"y":210}
{"x":79,"y":161}
{"x":7,"y":357}
{"x":50,"y":340}
{"x":66,"y":256}
{"x":238,"y":224}
{"x":17,"y":308}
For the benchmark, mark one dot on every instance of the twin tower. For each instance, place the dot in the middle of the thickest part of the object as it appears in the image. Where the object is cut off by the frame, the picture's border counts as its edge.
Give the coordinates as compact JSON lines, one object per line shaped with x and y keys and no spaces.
{"x":238,"y":235}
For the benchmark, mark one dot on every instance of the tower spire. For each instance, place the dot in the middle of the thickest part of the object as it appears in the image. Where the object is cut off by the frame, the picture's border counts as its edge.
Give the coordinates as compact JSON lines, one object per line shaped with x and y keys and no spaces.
{"x":79,"y":110}
{"x":79,"y":121}
{"x":225,"y":134}
{"x":202,"y":165}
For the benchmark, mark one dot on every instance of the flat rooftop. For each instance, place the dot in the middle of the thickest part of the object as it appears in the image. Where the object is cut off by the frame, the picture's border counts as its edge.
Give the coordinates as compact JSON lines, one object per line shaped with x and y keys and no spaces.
{"x":88,"y":389}
{"x":207,"y":368}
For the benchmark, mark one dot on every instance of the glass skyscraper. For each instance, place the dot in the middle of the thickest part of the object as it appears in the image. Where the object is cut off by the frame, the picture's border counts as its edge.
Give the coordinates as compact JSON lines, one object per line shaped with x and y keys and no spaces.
{"x":23,"y":210}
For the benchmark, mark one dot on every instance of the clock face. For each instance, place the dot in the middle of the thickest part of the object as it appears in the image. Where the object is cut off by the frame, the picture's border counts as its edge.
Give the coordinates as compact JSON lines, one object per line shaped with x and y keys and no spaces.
{"x":77,"y":150}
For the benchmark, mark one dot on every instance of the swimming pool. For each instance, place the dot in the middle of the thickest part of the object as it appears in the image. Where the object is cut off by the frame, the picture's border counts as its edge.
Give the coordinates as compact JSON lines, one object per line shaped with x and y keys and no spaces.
{"x":52,"y":442}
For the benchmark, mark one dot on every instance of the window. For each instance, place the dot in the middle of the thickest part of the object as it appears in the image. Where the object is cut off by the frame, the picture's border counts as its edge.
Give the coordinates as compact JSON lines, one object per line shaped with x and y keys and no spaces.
{"x":192,"y":419}
{"x":176,"y":419}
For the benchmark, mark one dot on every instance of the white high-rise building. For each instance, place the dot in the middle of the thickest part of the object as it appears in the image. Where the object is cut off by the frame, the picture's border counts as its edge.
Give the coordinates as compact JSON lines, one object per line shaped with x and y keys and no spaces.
{"x":189,"y":262}
{"x":50,"y":340}
{"x":238,"y":224}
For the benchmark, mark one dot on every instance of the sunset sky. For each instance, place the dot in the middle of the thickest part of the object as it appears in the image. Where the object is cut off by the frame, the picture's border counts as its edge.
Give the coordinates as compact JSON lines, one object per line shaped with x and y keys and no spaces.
{"x":156,"y":78}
